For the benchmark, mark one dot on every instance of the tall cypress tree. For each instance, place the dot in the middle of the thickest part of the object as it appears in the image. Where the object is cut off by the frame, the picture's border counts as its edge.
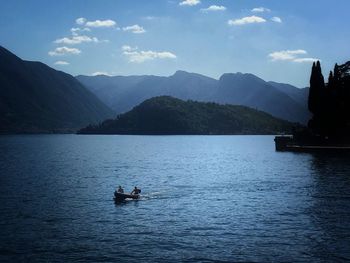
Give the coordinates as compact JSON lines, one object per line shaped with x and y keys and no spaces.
{"x":336,"y":76}
{"x":316,"y":97}
{"x":320,"y":78}
{"x":330,"y":104}
{"x":330,"y":80}
{"x":316,"y":88}
{"x":313,"y":90}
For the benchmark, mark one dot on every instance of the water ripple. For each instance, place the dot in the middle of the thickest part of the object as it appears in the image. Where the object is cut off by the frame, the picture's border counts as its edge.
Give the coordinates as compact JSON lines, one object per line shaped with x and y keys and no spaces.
{"x":204,"y":199}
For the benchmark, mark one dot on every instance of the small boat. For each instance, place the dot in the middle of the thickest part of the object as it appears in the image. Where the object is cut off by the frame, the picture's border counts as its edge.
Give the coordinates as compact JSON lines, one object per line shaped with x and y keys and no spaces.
{"x":118,"y":197}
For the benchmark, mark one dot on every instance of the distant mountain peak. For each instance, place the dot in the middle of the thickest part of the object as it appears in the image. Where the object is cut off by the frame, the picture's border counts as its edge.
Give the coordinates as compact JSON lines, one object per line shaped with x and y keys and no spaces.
{"x":5,"y":51}
{"x":124,"y":93}
{"x":241,"y":75}
{"x":186,"y":74}
{"x":37,"y":98}
{"x":7,"y":58}
{"x":181,"y":72}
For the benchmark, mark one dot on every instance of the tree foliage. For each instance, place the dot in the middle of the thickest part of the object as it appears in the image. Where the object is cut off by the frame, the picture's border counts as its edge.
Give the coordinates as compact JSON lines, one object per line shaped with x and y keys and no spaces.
{"x":330,"y":103}
{"x":168,"y":115}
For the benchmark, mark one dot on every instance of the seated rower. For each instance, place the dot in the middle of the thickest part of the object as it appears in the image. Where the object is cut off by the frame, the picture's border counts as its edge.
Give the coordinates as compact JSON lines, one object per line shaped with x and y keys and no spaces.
{"x":120,"y":190}
{"x":136,"y":191}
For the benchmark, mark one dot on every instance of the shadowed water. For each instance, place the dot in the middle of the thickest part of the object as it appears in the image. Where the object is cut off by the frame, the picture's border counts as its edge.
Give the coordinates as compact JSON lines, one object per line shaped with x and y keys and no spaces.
{"x":204,"y":198}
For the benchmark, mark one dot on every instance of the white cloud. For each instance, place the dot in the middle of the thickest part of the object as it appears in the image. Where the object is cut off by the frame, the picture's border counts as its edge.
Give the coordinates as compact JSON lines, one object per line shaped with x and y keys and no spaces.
{"x":80,"y":21}
{"x":136,"y":29}
{"x":213,"y":8}
{"x":260,"y":10}
{"x":128,"y":48}
{"x":286,"y":54}
{"x":61,"y":63}
{"x":291,"y":55}
{"x":139,"y":56}
{"x":246,"y":20}
{"x":302,"y":60}
{"x":74,"y":40}
{"x":99,"y":73}
{"x":190,"y":2}
{"x":61,"y":51}
{"x":97,"y":23}
{"x":101,"y":23}
{"x":276,"y":19}
{"x":149,"y":17}
{"x":76,"y":30}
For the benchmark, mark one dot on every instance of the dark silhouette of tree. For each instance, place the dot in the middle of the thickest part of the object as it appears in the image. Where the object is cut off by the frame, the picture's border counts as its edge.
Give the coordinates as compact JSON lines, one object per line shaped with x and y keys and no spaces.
{"x":330,"y":103}
{"x":330,"y":80}
{"x":316,"y":97}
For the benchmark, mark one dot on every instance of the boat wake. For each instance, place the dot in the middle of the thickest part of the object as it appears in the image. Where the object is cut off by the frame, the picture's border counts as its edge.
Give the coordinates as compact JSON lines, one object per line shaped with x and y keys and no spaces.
{"x":143,"y":197}
{"x":153,"y":195}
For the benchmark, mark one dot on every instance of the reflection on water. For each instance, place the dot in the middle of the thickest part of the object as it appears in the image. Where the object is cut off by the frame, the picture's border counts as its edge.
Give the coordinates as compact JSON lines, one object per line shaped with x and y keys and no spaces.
{"x":330,"y":210}
{"x":204,"y":198}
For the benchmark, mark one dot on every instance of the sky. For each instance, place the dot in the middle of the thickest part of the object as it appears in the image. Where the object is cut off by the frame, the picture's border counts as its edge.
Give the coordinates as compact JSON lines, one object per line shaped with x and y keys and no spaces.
{"x":275,"y":40}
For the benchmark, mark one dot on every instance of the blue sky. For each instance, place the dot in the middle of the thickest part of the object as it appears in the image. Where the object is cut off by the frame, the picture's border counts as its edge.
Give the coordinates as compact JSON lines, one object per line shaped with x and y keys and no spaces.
{"x":276,"y":40}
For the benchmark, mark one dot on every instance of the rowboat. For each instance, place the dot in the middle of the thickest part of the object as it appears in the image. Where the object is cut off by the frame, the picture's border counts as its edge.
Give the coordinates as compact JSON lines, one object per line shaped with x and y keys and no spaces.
{"x":118,"y":197}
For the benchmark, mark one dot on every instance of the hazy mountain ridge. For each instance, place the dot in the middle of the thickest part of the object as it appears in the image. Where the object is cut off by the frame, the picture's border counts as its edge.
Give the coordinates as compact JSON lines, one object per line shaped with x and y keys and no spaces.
{"x":168,"y":115}
{"x":37,"y":98}
{"x":122,"y":93}
{"x":299,"y":95}
{"x":281,"y":100}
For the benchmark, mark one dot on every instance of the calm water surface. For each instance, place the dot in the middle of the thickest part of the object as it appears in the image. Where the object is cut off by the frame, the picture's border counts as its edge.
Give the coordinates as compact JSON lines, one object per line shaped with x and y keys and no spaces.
{"x":205,"y":199}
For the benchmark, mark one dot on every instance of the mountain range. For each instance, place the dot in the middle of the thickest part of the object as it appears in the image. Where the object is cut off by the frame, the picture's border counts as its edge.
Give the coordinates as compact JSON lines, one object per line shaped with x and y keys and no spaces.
{"x":122,"y":93}
{"x":166,"y":115}
{"x":35,"y":98}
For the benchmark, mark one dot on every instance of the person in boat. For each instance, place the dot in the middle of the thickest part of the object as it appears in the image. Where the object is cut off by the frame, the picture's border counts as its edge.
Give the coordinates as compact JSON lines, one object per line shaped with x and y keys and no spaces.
{"x":120,"y":190}
{"x":136,"y":191}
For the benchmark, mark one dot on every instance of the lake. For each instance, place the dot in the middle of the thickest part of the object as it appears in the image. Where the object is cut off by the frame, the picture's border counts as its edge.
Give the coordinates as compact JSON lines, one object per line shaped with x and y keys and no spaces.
{"x":204,"y":199}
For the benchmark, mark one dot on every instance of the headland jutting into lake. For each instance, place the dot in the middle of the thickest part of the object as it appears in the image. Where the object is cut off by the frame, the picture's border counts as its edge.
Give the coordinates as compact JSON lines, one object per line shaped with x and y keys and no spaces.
{"x":329,"y":127}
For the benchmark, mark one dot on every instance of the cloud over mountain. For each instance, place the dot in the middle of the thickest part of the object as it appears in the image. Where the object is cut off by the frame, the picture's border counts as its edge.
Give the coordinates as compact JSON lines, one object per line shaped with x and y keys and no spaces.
{"x":139,"y":56}
{"x":61,"y":51}
{"x":246,"y":20}
{"x":291,"y":55}
{"x":101,"y":23}
{"x":74,"y":40}
{"x":61,"y":63}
